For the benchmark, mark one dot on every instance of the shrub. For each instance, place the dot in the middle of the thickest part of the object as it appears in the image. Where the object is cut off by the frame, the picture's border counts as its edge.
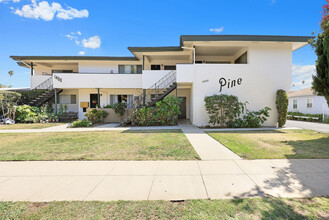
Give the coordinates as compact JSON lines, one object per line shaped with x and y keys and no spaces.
{"x":107,"y":106}
{"x":27,"y":114}
{"x":291,"y":114}
{"x":282,"y":101}
{"x":120,"y":108}
{"x":252,"y":119}
{"x":96,"y":116}
{"x":226,"y":110}
{"x":167,"y":110}
{"x":164,"y":113}
{"x":143,"y":116}
{"x":80,"y":123}
{"x":223,"y":109}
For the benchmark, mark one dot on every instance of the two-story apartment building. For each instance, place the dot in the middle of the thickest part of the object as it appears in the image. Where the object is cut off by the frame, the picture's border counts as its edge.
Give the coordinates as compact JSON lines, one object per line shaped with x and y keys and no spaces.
{"x":252,"y":67}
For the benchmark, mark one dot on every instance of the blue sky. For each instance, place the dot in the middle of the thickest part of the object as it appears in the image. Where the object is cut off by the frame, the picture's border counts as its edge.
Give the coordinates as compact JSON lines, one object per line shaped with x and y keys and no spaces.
{"x":107,"y":28}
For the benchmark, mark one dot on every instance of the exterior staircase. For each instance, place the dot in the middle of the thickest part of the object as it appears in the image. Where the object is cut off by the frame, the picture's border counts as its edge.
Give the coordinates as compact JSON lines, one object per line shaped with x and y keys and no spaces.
{"x":46,"y":95}
{"x":157,"y":92}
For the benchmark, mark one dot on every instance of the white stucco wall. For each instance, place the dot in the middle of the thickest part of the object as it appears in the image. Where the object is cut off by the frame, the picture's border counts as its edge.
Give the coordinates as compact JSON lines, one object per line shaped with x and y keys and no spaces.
{"x":36,"y":80}
{"x":319,"y":105}
{"x":152,"y":76}
{"x":269,"y":68}
{"x":72,"y":80}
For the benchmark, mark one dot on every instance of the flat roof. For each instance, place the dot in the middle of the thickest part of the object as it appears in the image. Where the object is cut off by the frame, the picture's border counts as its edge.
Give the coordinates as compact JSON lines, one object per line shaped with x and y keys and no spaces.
{"x":20,"y":58}
{"x":183,"y":38}
{"x":274,"y":38}
{"x":154,"y":49}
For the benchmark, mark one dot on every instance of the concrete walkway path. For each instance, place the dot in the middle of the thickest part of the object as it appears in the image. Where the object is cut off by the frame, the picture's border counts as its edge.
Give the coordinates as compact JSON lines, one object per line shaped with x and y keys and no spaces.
{"x":207,"y":147}
{"x":161,"y":180}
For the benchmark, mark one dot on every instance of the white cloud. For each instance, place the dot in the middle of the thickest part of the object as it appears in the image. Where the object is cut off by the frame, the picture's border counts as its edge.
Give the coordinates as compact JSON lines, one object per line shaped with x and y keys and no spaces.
{"x":216,"y":30}
{"x":92,"y":42}
{"x":73,"y":35}
{"x":45,"y":11}
{"x":302,"y":76}
{"x":82,"y":53}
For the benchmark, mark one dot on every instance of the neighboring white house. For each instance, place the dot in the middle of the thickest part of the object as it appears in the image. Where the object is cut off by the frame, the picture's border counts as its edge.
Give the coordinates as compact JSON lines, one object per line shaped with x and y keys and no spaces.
{"x":307,"y":102}
{"x":252,"y":67}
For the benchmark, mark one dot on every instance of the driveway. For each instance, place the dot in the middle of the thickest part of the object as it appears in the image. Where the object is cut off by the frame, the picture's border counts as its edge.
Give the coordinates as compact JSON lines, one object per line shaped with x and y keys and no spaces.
{"x":308,"y":125}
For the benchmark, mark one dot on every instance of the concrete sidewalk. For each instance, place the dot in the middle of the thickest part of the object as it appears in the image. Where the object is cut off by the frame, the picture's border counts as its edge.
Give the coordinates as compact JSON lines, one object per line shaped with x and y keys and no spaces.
{"x":207,"y":147}
{"x":162,"y":180}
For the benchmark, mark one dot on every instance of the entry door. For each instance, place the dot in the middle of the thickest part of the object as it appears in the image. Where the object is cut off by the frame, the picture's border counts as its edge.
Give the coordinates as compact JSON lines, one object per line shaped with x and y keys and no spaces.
{"x":182,"y":108}
{"x":93,"y":100}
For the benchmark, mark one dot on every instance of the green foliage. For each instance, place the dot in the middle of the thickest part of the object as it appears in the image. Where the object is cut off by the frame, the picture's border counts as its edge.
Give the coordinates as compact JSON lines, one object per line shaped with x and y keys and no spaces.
{"x":252,"y":119}
{"x":326,"y":120}
{"x":8,"y":101}
{"x":282,"y":102}
{"x":223,"y":109}
{"x":107,"y":106}
{"x":26,"y":114}
{"x":28,"y":96}
{"x":320,"y":82}
{"x":291,"y":114}
{"x":120,"y":108}
{"x":96,"y":116}
{"x":167,"y":110}
{"x":164,"y":113}
{"x":81,"y":123}
{"x":143,"y":116}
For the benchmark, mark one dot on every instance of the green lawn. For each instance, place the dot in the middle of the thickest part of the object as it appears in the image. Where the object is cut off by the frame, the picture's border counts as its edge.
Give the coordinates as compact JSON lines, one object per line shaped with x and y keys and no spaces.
{"x":268,"y":208}
{"x":291,"y":144}
{"x":102,"y":145}
{"x":29,"y":126}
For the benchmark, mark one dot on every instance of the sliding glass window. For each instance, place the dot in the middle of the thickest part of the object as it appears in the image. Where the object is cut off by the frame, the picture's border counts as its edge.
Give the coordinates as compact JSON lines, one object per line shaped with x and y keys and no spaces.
{"x":130,"y":69}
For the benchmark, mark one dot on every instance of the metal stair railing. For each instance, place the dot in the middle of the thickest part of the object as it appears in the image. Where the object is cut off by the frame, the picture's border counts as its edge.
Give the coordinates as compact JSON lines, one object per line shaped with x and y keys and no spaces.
{"x":45,"y":85}
{"x":157,"y":89}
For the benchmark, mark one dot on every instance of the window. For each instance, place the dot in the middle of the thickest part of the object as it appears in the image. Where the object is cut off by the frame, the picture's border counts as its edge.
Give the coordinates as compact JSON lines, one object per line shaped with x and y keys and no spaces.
{"x":172,"y":67}
{"x":130,"y":69}
{"x":155,"y":67}
{"x":309,"y":103}
{"x":242,"y":59}
{"x":67,"y":99}
{"x":128,"y":99}
{"x":62,"y":71}
{"x":294,"y":104}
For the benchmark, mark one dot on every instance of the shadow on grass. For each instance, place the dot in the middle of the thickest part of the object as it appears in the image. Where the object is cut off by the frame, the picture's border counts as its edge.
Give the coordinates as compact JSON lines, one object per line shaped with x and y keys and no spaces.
{"x":309,"y":149}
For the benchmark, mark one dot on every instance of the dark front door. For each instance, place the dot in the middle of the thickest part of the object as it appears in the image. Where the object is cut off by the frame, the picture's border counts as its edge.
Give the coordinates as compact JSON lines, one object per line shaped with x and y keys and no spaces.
{"x":182,"y":108}
{"x":93,"y":100}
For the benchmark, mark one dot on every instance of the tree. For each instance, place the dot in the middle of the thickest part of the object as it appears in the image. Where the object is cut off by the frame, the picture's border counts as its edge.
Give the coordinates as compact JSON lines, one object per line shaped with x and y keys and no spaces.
{"x":321,"y":80}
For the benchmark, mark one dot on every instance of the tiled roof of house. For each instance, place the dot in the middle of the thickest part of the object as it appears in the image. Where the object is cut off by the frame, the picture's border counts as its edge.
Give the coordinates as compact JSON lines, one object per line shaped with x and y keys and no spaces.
{"x":302,"y":92}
